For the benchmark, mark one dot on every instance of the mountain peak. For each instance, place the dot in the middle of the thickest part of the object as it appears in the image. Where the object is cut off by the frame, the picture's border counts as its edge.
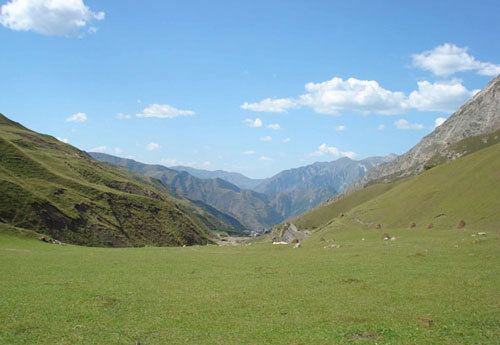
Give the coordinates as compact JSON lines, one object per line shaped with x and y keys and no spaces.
{"x":480,"y":115}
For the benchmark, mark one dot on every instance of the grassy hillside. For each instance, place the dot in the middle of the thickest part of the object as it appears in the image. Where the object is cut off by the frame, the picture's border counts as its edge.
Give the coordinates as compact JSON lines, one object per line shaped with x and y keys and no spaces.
{"x":464,"y":189}
{"x":55,"y":189}
{"x":427,"y":287}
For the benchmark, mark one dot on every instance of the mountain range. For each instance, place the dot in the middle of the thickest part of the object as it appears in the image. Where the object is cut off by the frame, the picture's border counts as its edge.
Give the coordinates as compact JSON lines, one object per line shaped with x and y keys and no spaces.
{"x":273,"y":200}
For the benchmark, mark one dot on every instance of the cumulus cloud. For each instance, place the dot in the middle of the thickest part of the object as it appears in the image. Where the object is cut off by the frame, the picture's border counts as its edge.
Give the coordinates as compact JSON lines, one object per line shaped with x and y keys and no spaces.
{"x":264,"y":158}
{"x":64,"y":140}
{"x":163,"y":111}
{"x":367,"y":96}
{"x":174,"y":162}
{"x":78,"y":117}
{"x":363,"y":96}
{"x":448,"y":59}
{"x":324,"y":150}
{"x":152,"y":146}
{"x":268,"y":105}
{"x":439,"y":121}
{"x":253,"y":123}
{"x":444,"y":96}
{"x":266,"y":138}
{"x":121,"y":116}
{"x":48,"y":17}
{"x":286,"y":140}
{"x":340,"y":128}
{"x":274,"y":126}
{"x":249,"y":152}
{"x":405,"y":124}
{"x":99,"y":149}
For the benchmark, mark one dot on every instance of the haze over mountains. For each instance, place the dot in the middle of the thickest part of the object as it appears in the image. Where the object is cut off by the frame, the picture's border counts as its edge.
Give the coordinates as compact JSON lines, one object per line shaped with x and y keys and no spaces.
{"x":273,"y":200}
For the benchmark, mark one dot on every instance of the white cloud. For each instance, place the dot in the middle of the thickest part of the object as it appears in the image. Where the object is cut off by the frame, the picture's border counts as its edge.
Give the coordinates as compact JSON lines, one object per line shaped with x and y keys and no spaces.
{"x":367,"y":96}
{"x":363,"y":96}
{"x":253,"y":123}
{"x":118,"y":150}
{"x":381,"y":127}
{"x":266,"y":138}
{"x":444,"y":96}
{"x":448,"y":59}
{"x":121,"y":116}
{"x":268,"y":105}
{"x":152,"y":146}
{"x":174,"y":162}
{"x":264,"y":158}
{"x":324,"y":149}
{"x":99,"y":149}
{"x":163,"y":111}
{"x":404,"y":124}
{"x":349,"y":154}
{"x":340,"y":128}
{"x":274,"y":126}
{"x":286,"y":140}
{"x":78,"y":117}
{"x":64,"y":140}
{"x":439,"y":121}
{"x":249,"y":152}
{"x":48,"y":17}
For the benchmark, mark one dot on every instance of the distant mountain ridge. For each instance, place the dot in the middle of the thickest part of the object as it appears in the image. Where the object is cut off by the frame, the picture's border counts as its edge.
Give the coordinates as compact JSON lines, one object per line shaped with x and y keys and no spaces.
{"x":296,"y":190}
{"x":275,"y":199}
{"x":235,"y":178}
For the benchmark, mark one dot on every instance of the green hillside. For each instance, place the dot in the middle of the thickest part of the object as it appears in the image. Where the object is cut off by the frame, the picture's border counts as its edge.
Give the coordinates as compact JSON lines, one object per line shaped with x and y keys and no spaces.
{"x":56,"y":189}
{"x":464,"y":189}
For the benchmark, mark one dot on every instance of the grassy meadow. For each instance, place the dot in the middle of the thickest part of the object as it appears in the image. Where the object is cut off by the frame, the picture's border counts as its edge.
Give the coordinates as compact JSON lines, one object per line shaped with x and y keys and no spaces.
{"x":437,"y":286}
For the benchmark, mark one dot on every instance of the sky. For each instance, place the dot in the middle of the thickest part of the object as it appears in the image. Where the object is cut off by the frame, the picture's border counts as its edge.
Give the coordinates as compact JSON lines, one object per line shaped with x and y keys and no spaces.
{"x":254,"y":87}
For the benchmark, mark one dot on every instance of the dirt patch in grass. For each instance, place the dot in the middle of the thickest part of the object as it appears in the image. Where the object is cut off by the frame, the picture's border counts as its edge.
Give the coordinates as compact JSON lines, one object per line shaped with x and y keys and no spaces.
{"x":365,"y":335}
{"x":18,"y":250}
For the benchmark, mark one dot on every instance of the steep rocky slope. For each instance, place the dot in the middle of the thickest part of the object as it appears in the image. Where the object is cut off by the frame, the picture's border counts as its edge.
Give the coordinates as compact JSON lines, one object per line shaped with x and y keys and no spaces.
{"x":480,"y":115}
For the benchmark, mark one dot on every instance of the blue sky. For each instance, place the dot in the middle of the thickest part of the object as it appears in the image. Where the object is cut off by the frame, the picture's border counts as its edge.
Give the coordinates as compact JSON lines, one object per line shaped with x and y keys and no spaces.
{"x":254,"y":87}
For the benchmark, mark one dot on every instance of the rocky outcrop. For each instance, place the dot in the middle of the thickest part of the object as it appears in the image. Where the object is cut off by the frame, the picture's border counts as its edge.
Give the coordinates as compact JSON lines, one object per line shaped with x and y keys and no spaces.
{"x":480,"y":115}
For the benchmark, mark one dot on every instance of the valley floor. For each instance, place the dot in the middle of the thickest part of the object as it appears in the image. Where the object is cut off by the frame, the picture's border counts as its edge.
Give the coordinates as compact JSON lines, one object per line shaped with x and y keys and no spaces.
{"x":427,"y":287}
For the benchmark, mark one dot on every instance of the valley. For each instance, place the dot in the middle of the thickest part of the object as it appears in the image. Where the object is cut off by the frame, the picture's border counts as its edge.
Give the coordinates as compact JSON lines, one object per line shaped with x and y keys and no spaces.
{"x":260,"y":172}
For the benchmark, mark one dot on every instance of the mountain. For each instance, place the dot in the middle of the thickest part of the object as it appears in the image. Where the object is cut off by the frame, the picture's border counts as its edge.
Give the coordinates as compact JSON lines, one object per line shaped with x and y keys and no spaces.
{"x":480,"y":115}
{"x":237,"y":179}
{"x":296,"y":190}
{"x":55,"y":189}
{"x":451,"y":174}
{"x":465,"y":189}
{"x":249,"y":208}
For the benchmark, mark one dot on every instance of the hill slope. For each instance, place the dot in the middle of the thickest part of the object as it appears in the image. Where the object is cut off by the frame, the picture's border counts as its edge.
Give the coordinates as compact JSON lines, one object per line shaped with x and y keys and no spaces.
{"x":464,"y":189}
{"x":56,"y":189}
{"x":250,"y":208}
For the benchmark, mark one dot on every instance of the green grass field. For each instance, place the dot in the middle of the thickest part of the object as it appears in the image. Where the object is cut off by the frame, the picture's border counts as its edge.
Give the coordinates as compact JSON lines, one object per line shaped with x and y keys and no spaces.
{"x":436,"y":286}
